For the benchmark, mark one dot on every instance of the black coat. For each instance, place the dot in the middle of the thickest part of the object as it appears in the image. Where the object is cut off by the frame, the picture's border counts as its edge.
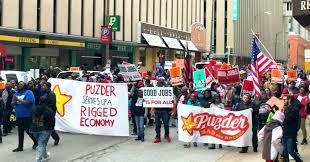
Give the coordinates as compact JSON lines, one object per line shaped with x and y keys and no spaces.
{"x":291,"y":122}
{"x":137,"y":110}
{"x":43,"y":119}
{"x":243,"y":106}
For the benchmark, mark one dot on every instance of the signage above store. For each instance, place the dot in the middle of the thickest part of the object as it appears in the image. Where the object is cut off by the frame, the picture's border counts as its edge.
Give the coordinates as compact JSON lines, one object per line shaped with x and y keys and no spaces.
{"x":93,"y":46}
{"x":62,"y":43}
{"x":199,"y":36}
{"x":301,"y":11}
{"x":105,"y":34}
{"x":162,"y":31}
{"x":114,"y":22}
{"x":9,"y":38}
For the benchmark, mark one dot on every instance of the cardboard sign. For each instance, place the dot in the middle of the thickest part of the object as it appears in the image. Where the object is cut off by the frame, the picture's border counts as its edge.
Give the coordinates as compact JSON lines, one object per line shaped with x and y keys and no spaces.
{"x":276,"y":76}
{"x":179,"y":63}
{"x":214,"y":125}
{"x":274,"y":101}
{"x":228,"y":76}
{"x":159,"y":97}
{"x":129,"y":72}
{"x":91,"y":108}
{"x":209,"y":78}
{"x":248,"y":87}
{"x":176,"y":77}
{"x":200,"y":80}
{"x":292,"y":75}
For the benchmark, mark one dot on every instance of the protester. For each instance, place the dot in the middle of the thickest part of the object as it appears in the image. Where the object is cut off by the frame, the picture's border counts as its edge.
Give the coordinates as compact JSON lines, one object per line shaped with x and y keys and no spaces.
{"x":206,"y":99}
{"x":290,"y":129}
{"x":270,"y":136}
{"x":161,"y":115}
{"x":303,"y":99}
{"x":248,"y":104}
{"x":6,"y":97}
{"x":218,"y":105}
{"x":138,"y":111}
{"x":49,"y":100}
{"x":24,"y":102}
{"x":43,"y":123}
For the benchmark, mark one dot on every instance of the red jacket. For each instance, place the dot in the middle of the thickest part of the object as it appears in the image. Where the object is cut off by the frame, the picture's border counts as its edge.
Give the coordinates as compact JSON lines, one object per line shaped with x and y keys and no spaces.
{"x":303,"y":99}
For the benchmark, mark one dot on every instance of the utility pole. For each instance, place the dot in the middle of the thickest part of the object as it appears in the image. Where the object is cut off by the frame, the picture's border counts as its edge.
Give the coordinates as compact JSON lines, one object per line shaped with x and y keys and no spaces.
{"x":107,"y":60}
{"x":212,"y":26}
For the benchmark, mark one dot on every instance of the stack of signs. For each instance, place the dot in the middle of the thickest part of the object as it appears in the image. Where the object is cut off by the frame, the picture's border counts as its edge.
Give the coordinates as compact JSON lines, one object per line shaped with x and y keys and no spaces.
{"x":200,"y":80}
{"x":228,"y":76}
{"x":176,"y":76}
{"x":248,"y":87}
{"x":276,"y":76}
{"x":292,"y":75}
{"x":157,"y":97}
{"x":129,"y":72}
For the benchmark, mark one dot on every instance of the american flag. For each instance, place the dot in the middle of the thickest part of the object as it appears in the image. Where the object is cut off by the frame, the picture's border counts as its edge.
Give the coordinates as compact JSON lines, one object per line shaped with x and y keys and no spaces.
{"x":259,"y":65}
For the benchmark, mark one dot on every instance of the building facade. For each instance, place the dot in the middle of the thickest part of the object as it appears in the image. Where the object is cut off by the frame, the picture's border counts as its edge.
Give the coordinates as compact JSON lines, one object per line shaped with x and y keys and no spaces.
{"x":41,"y":33}
{"x":266,"y":19}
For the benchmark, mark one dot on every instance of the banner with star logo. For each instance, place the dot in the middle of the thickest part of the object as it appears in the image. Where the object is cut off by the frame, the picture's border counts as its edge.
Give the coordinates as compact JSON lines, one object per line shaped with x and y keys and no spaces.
{"x":214,"y":125}
{"x":91,"y":108}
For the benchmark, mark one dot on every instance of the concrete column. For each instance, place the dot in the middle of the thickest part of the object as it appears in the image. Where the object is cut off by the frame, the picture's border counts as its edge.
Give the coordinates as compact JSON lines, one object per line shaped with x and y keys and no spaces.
{"x":25,"y":65}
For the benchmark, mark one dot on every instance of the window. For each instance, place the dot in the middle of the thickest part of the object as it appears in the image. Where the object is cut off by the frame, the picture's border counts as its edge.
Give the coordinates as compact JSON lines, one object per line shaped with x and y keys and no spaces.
{"x":143,"y":57}
{"x":289,"y":6}
{"x":38,"y":14}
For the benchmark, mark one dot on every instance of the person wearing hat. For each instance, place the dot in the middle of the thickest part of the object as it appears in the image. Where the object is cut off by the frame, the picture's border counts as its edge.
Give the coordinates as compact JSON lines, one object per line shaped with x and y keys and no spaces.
{"x":270,"y":136}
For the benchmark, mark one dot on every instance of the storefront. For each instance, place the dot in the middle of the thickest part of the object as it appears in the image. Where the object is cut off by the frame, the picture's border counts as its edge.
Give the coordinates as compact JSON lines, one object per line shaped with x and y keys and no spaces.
{"x":160,"y":44}
{"x":301,"y":12}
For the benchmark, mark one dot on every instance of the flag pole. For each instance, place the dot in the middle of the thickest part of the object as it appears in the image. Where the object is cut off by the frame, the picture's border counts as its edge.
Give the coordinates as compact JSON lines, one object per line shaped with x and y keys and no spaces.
{"x":263,"y":46}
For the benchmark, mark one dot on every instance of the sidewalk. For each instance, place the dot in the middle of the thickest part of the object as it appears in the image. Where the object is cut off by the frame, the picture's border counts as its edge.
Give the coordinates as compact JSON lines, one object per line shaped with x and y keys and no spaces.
{"x":235,"y":156}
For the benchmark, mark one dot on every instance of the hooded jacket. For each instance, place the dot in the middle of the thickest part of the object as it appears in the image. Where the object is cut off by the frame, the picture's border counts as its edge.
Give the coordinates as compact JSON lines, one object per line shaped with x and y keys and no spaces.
{"x":271,"y":135}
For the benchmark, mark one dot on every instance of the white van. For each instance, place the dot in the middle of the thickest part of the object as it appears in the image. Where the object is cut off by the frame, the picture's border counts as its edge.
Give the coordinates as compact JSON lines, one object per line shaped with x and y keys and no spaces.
{"x":79,"y":74}
{"x":18,"y":76}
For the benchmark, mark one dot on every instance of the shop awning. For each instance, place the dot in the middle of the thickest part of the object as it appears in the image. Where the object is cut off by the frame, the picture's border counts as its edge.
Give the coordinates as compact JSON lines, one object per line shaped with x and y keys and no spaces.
{"x":154,"y":40}
{"x":189,"y":44}
{"x":173,"y":43}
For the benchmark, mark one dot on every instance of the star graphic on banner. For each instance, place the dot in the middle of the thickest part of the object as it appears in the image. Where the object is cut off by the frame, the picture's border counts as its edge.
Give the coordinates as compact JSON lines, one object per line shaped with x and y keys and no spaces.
{"x":189,"y":124}
{"x":61,"y":100}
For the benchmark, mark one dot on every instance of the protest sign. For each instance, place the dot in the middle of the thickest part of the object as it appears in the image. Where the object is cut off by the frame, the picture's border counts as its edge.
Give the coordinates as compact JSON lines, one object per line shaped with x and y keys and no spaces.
{"x":157,"y":97}
{"x":168,"y":64}
{"x":179,"y":63}
{"x":91,"y":108}
{"x":176,"y":76}
{"x":276,"y":76}
{"x":209,"y":78}
{"x":214,"y":125}
{"x":129,"y":72}
{"x":200,"y":80}
{"x":292,"y":75}
{"x":228,"y":76}
{"x":274,"y":101}
{"x":248,"y":87}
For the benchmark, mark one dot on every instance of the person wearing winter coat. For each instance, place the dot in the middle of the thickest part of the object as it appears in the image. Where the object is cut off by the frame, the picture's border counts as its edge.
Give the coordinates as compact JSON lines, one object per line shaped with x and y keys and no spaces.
{"x":245,"y":104}
{"x":290,"y":128}
{"x":138,"y":111}
{"x":218,"y":105}
{"x":270,"y":136}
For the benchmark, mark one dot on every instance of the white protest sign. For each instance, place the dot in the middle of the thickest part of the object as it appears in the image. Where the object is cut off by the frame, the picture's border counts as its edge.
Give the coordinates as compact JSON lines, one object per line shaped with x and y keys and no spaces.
{"x":214,"y":125}
{"x":168,"y":64}
{"x":158,"y":97}
{"x":129,"y":72}
{"x":91,"y":108}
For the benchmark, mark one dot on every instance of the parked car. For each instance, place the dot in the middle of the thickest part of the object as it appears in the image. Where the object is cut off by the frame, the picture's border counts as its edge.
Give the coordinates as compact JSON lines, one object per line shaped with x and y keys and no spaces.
{"x":17,"y":76}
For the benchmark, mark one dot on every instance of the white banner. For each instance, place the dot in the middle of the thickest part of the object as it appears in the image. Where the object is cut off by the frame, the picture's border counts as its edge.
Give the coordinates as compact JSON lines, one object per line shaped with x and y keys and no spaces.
{"x":159,"y":97}
{"x":91,"y":108}
{"x":214,"y":125}
{"x":129,"y":72}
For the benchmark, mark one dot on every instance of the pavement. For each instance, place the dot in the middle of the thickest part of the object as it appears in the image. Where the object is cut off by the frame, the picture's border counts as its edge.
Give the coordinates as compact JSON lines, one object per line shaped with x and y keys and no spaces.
{"x":91,"y":148}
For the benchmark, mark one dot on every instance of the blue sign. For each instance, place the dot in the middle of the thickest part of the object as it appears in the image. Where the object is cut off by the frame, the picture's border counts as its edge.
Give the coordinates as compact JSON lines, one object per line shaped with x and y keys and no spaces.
{"x":235,"y":14}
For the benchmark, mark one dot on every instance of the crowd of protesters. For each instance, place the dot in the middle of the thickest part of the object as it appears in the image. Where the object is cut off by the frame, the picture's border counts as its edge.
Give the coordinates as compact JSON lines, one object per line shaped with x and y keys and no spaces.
{"x":34,"y":106}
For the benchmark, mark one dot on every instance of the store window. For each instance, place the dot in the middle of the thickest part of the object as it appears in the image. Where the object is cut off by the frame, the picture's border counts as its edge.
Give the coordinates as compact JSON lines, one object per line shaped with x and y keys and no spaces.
{"x":143,"y":57}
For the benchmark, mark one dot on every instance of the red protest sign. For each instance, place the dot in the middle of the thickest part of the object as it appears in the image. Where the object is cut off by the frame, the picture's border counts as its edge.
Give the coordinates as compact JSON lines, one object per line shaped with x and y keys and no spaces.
{"x":248,"y":87}
{"x":228,"y":76}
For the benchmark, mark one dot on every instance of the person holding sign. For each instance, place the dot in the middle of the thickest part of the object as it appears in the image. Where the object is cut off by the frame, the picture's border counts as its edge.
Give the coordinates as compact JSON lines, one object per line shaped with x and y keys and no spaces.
{"x":138,"y":111}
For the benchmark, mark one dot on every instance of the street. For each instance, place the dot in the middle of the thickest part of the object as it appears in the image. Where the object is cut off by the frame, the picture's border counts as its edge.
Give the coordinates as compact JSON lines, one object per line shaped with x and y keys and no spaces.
{"x":80,"y":148}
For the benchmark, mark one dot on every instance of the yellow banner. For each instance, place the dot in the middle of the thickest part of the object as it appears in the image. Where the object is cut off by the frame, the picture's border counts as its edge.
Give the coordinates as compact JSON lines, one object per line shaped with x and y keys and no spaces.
{"x":62,"y":43}
{"x":19,"y":39}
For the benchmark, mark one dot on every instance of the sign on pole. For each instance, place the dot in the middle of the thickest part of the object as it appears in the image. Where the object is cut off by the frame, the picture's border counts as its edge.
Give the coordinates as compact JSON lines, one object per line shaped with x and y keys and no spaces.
{"x":105,"y":34}
{"x":176,"y":76}
{"x":114,"y":22}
